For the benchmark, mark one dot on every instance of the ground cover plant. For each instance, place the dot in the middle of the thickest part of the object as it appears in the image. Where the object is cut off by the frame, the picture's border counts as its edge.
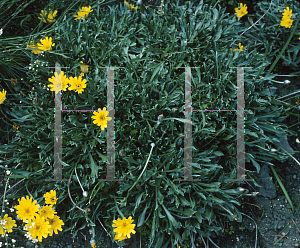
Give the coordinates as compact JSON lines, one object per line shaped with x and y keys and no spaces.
{"x":147,"y":48}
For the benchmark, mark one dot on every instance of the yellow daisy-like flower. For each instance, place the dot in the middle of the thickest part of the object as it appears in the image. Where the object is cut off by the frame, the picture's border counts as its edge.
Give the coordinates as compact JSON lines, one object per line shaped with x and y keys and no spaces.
{"x":286,"y":23}
{"x":287,"y":13}
{"x":27,"y":208}
{"x":16,"y":127}
{"x":47,"y":212}
{"x":94,"y":245}
{"x":9,"y":224}
{"x":58,"y":82}
{"x":77,"y":84}
{"x":50,"y":197}
{"x":38,"y":227}
{"x":83,"y":13}
{"x":242,"y":11}
{"x":46,"y":44}
{"x":2,"y":96}
{"x":48,"y":15}
{"x":123,"y":227}
{"x":32,"y":46}
{"x":101,"y":118}
{"x":84,"y":68}
{"x":55,"y":224}
{"x":130,"y":6}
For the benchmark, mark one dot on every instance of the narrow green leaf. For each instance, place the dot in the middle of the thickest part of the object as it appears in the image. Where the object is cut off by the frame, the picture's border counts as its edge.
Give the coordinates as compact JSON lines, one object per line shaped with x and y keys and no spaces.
{"x":142,"y":217}
{"x":93,"y":166}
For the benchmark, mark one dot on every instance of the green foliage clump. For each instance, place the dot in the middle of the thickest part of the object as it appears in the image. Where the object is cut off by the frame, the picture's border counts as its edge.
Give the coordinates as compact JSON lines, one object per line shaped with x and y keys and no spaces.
{"x":149,"y":108}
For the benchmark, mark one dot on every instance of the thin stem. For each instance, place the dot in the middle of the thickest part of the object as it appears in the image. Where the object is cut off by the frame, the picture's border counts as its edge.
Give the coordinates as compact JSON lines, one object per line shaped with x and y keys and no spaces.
{"x":78,"y":180}
{"x":4,"y":195}
{"x":152,"y":145}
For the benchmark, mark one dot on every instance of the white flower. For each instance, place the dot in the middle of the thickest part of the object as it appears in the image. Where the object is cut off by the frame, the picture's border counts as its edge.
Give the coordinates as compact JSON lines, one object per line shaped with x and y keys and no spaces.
{"x":28,"y":235}
{"x":7,"y":172}
{"x":297,"y":140}
{"x":11,"y":210}
{"x":33,"y":223}
{"x":25,"y":228}
{"x":0,"y":244}
{"x":1,"y":32}
{"x":2,"y":222}
{"x":13,"y":240}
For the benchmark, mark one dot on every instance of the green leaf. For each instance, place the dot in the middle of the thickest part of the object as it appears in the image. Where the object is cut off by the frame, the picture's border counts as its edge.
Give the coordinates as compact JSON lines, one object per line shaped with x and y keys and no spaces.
{"x":188,"y":212}
{"x":257,"y":166}
{"x":93,"y":166}
{"x":142,"y":217}
{"x":137,"y":201}
{"x":157,"y":69}
{"x":218,"y":153}
{"x":171,"y":218}
{"x":104,"y":157}
{"x":229,"y":136}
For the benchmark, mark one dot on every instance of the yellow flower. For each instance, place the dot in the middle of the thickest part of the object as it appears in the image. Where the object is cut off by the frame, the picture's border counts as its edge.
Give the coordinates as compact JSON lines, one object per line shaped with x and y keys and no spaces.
{"x":287,"y":13}
{"x":2,"y":96}
{"x":77,"y":84}
{"x":297,"y":102}
{"x":46,"y":44}
{"x":32,"y":46}
{"x":120,"y":237}
{"x":242,"y":11}
{"x":48,"y":15}
{"x":50,"y":197}
{"x":38,"y":227}
{"x":58,"y":82}
{"x":83,"y":12}
{"x":101,"y":118}
{"x":9,"y":224}
{"x":55,"y":224}
{"x":238,"y":49}
{"x":84,"y":68}
{"x":51,"y":16}
{"x":130,"y":6}
{"x":286,"y":23}
{"x":27,"y":208}
{"x":16,"y":127}
{"x":94,"y":245}
{"x":47,"y":212}
{"x":123,"y":227}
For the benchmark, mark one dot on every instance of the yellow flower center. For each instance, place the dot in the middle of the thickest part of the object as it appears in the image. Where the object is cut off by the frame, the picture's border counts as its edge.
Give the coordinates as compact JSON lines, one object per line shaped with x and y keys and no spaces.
{"x":102,"y":118}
